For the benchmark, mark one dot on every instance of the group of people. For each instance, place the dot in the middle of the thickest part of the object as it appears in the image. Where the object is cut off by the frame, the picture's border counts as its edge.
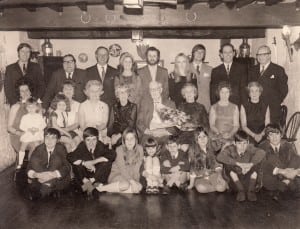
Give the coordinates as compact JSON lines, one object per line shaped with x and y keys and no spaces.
{"x":127,"y":130}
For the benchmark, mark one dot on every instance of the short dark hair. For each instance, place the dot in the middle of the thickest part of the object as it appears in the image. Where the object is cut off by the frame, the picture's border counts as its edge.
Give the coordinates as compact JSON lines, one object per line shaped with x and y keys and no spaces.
{"x":101,"y":47}
{"x":198,"y":131}
{"x":23,"y":81}
{"x":223,"y":84}
{"x":150,"y":142}
{"x":31,"y":100}
{"x":52,"y":131}
{"x":196,"y":48}
{"x":22,"y":45}
{"x":273,"y":128}
{"x":69,"y":55}
{"x":90,"y":132}
{"x":172,"y":139}
{"x":225,"y":45}
{"x":152,"y":48}
{"x":69,"y":82}
{"x":241,"y":136}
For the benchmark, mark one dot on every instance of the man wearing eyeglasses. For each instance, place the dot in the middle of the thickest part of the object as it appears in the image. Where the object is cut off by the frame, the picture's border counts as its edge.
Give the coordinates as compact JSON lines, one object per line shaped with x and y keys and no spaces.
{"x":273,"y":79}
{"x":69,"y":71}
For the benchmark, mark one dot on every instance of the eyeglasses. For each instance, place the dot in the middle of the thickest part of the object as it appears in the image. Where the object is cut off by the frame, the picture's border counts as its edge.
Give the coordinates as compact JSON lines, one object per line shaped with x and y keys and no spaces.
{"x":263,"y":54}
{"x":68,"y":61}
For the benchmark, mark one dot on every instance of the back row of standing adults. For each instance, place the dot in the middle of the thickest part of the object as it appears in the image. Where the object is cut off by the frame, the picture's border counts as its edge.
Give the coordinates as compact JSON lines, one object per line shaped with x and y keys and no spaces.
{"x":271,"y":77}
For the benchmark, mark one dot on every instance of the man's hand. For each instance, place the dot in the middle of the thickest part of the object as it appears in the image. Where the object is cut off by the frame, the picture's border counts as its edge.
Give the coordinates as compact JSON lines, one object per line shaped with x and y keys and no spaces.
{"x":175,"y":169}
{"x":102,"y":159}
{"x":45,"y":176}
{"x":245,"y":167}
{"x":89,"y":165}
{"x":167,"y":163}
{"x":115,"y":138}
{"x":289,"y":173}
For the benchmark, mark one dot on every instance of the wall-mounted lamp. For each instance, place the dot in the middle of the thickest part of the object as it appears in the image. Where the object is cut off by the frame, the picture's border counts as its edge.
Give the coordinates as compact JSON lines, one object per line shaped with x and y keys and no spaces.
{"x":286,"y":35}
{"x":136,"y":35}
{"x":133,"y":4}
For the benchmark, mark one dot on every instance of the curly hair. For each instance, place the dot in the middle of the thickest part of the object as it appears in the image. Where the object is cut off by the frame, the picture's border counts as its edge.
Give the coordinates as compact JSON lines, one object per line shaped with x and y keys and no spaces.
{"x":121,"y":65}
{"x":23,"y":81}
{"x":58,"y":98}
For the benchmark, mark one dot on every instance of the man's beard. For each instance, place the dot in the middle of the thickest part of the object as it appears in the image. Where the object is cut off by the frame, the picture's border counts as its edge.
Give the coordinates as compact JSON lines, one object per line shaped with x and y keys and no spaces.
{"x":152,"y":63}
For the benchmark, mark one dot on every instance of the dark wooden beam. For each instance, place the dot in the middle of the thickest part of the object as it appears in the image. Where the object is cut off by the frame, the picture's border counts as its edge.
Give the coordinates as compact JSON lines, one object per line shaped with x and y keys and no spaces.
{"x":199,"y":15}
{"x":213,"y":33}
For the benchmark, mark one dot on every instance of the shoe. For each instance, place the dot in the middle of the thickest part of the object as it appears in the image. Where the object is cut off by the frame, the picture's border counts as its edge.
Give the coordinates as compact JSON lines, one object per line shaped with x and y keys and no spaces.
{"x":166,"y":190}
{"x":241,"y":196}
{"x":251,"y":196}
{"x":155,"y":190}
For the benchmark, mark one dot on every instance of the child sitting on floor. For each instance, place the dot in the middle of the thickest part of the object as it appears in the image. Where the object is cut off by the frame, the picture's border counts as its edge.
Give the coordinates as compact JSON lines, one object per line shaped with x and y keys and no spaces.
{"x":242,"y":163}
{"x":152,"y":167}
{"x":33,"y":125}
{"x":174,"y":165}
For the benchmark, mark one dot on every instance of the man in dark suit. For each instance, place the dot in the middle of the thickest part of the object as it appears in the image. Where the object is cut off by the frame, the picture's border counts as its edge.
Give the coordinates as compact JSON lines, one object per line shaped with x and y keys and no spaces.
{"x":232,"y":72}
{"x":48,"y":169}
{"x":105,"y":74}
{"x":153,"y":72}
{"x":273,"y":79}
{"x":68,"y":72}
{"x":23,"y":68}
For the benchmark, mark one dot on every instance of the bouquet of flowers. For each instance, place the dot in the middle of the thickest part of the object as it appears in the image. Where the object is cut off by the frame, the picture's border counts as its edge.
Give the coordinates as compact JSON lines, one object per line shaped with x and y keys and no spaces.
{"x":172,"y":117}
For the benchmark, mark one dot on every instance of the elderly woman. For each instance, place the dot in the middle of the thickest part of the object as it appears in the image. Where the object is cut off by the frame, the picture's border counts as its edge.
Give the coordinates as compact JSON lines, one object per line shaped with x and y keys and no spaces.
{"x":149,"y":122}
{"x":93,"y":112}
{"x":205,"y":171}
{"x":123,"y":114}
{"x":255,"y":114}
{"x":224,"y":115}
{"x":125,"y":171}
{"x":128,"y":75}
{"x":179,"y":77}
{"x":17,"y":111}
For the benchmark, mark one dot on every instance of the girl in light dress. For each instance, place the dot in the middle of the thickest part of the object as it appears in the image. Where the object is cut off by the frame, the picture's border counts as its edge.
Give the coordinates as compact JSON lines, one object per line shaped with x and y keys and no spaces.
{"x":33,"y":125}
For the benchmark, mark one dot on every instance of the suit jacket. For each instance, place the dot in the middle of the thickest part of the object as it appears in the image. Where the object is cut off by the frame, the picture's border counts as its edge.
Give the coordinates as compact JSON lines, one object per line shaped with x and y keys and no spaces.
{"x":108,"y":85}
{"x":82,"y":153}
{"x":145,"y":114}
{"x":58,"y":161}
{"x":161,"y":77}
{"x":203,"y":82}
{"x":274,"y":82}
{"x":237,"y":78}
{"x":13,"y":73}
{"x":56,"y":83}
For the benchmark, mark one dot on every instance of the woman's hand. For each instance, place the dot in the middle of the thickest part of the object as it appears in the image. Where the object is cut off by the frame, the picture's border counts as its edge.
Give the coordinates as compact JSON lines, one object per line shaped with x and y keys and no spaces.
{"x":115,"y":138}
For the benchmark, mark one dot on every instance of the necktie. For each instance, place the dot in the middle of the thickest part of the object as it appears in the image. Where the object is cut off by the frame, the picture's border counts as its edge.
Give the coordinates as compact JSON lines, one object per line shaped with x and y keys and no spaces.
{"x":276,"y":150}
{"x":227,"y":69}
{"x":69,"y":76}
{"x":198,"y":69}
{"x":24,"y":69}
{"x":49,"y":155}
{"x":102,"y":73}
{"x":64,"y":120}
{"x":262,"y":70}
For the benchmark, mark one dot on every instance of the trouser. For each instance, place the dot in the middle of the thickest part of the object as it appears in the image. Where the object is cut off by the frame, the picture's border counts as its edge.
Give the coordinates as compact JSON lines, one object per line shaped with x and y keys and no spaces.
{"x":275,"y":183}
{"x":100,"y":175}
{"x":243,"y":178}
{"x":44,"y":189}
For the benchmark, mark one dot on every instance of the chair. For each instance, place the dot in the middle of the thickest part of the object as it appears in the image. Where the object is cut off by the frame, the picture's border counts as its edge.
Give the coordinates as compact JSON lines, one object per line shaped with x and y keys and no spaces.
{"x":283,"y":112}
{"x":291,"y":130}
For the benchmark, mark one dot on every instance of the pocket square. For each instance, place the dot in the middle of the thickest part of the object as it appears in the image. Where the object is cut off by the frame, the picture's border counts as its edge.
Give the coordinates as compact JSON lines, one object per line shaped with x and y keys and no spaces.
{"x":272,"y":77}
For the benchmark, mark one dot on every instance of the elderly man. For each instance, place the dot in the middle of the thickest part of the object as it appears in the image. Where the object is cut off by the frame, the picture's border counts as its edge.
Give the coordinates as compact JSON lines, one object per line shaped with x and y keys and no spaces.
{"x":273,"y":79}
{"x":23,"y":68}
{"x":153,"y":72}
{"x":232,"y":72}
{"x":105,"y":74}
{"x":48,"y":169}
{"x":149,"y":122}
{"x":68,"y":72}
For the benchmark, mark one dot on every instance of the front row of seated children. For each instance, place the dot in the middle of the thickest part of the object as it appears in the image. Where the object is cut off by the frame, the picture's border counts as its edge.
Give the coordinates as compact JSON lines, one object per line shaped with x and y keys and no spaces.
{"x":241,"y":167}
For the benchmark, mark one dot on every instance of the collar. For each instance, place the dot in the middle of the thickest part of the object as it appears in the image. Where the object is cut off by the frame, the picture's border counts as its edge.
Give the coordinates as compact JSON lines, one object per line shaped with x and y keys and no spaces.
{"x":100,"y":67}
{"x":265,"y":66}
{"x":195,"y":65}
{"x":67,"y":73}
{"x":50,"y":150}
{"x":176,"y":155}
{"x":225,"y":64}
{"x":274,"y":147}
{"x":152,"y":66}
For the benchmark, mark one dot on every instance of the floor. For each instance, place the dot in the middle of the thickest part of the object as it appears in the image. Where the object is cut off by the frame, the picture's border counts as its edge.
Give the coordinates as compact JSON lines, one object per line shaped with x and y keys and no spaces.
{"x":189,"y":210}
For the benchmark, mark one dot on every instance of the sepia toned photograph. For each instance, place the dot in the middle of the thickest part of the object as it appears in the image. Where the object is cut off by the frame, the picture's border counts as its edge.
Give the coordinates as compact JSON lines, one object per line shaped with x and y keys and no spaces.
{"x":141,"y":114}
